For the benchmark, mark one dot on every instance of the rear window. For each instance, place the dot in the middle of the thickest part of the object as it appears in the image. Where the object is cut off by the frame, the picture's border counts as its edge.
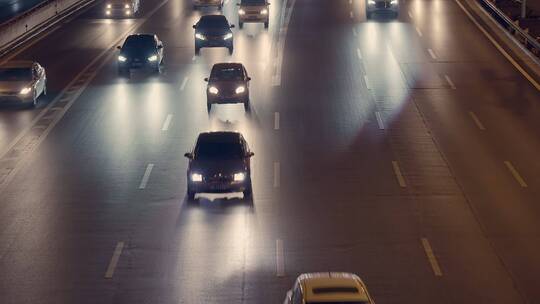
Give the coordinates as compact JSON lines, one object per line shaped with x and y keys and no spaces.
{"x":218,"y":151}
{"x":140,"y":42}
{"x":15,"y":74}
{"x":213,"y":22}
{"x":229,"y":73}
{"x":253,"y":2}
{"x":322,"y":290}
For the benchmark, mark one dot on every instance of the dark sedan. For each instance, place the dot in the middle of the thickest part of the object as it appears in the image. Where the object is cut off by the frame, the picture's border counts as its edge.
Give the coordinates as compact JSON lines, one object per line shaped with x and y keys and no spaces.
{"x":228,"y":83}
{"x":140,"y":51}
{"x":213,"y":31}
{"x":219,"y":163}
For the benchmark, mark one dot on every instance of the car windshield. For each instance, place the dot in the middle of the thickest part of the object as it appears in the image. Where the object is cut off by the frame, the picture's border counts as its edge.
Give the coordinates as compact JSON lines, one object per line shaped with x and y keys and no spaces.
{"x":15,"y":74}
{"x":253,"y":2}
{"x":218,"y":151}
{"x":230,"y":73}
{"x":144,"y":42}
{"x":213,"y":23}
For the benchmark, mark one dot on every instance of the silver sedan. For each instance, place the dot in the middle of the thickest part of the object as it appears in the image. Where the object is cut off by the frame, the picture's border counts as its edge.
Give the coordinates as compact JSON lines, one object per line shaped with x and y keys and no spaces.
{"x":22,"y":82}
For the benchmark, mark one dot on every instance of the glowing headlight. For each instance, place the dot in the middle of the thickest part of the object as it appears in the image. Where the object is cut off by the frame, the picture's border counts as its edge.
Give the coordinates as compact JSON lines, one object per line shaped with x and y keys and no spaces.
{"x":264,"y":12}
{"x":25,"y":91}
{"x":152,"y":58}
{"x":200,"y":36}
{"x":108,"y":12}
{"x":122,"y":58}
{"x":239,"y":177}
{"x":228,"y":36}
{"x":196,"y":177}
{"x":128,"y":12}
{"x":241,"y":12}
{"x":109,"y":6}
{"x":126,"y":6}
{"x":394,"y":2}
{"x":213,"y":90}
{"x":240,"y":89}
{"x":371,"y":2}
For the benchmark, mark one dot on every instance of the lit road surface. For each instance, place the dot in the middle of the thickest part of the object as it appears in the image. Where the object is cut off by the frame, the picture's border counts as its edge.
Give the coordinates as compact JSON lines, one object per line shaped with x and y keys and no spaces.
{"x":404,"y":151}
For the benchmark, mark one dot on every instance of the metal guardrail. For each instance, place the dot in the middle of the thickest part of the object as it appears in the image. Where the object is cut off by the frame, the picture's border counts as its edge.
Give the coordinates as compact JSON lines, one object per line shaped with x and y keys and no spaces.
{"x":530,"y":42}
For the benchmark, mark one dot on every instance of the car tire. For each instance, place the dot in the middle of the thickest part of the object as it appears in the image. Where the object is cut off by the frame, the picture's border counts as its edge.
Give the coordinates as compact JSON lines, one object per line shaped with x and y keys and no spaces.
{"x":368,"y":15}
{"x":247,"y":106}
{"x":190,"y":195}
{"x":248,"y":193}
{"x":197,"y":50}
{"x":231,"y":50}
{"x":240,"y":25}
{"x":266,"y":25}
{"x":208,"y":107}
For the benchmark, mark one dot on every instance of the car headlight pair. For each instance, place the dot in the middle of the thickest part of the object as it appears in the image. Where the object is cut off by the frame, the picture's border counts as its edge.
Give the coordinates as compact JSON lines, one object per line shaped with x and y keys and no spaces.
{"x":262,"y":12}
{"x":200,"y":36}
{"x":25,"y":91}
{"x":215,"y":91}
{"x":237,"y":177}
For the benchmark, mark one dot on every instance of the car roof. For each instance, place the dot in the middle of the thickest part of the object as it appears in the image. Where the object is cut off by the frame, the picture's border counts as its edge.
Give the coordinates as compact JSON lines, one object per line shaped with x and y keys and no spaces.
{"x":212,"y":17}
{"x":17,"y":64}
{"x":142,"y":35}
{"x":333,"y":286}
{"x":220,"y":137}
{"x":227,"y":65}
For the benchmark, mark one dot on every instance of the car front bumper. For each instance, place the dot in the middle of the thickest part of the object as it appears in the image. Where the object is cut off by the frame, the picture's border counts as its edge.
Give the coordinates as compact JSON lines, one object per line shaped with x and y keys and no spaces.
{"x":16,"y":99}
{"x":237,"y":98}
{"x":253,"y":18}
{"x":207,"y":2}
{"x":213,"y":43}
{"x":219,"y":187}
{"x":138,"y":65}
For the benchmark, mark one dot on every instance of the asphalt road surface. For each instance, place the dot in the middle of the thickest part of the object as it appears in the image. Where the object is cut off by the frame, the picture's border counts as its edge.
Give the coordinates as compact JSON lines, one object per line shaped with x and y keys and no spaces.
{"x":405,"y":151}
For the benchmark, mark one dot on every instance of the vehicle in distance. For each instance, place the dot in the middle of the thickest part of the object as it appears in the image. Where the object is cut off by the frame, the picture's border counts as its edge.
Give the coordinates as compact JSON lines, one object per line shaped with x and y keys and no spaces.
{"x":382,"y":6}
{"x":328,"y":287}
{"x":256,"y":11}
{"x":228,"y":83}
{"x":22,"y":82}
{"x":213,"y":31}
{"x":219,"y":163}
{"x":200,"y":3}
{"x":140,"y":51}
{"x":121,"y":8}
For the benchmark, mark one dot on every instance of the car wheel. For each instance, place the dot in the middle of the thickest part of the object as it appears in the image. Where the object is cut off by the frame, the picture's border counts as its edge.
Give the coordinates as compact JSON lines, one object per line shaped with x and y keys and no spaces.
{"x":190,"y":195}
{"x":248,"y":193}
{"x":240,"y":24}
{"x":247,"y":106}
{"x":197,"y":50}
{"x":209,"y":107}
{"x":231,"y":49}
{"x":368,"y":15}
{"x":266,"y":25}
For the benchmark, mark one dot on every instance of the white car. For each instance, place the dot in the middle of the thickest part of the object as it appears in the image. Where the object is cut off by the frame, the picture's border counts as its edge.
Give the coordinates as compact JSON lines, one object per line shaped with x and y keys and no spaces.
{"x":121,"y":8}
{"x":22,"y":82}
{"x":328,"y":287}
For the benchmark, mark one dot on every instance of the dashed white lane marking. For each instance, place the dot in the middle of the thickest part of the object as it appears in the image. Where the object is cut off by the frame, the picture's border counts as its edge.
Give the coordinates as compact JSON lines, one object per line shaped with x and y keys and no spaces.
{"x":276,"y":121}
{"x":166,"y":123}
{"x":432,"y":54}
{"x":500,"y":49}
{"x":184,"y":82}
{"x":418,"y":31}
{"x":368,"y":85}
{"x":431,"y":257}
{"x":280,"y":259}
{"x":477,"y":121}
{"x":359,"y":53}
{"x":114,"y":260}
{"x":450,"y":82}
{"x":379,"y":120}
{"x":410,"y":15}
{"x":516,"y":174}
{"x":146,"y":176}
{"x":354,"y":32}
{"x":351,"y":14}
{"x":399,"y":176}
{"x":276,"y":174}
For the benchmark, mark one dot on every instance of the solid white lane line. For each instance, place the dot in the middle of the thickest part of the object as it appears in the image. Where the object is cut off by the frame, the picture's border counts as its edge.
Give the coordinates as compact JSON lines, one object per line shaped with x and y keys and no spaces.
{"x":497,"y":45}
{"x":431,"y":257}
{"x":354,"y":32}
{"x":366,"y":79}
{"x":410,"y":15}
{"x":418,"y":31}
{"x":351,"y":14}
{"x":379,"y":120}
{"x":516,"y":174}
{"x":184,"y":82}
{"x":476,"y":121}
{"x":450,"y":82}
{"x":146,"y":176}
{"x":280,"y":260}
{"x":166,"y":123}
{"x":399,"y":176}
{"x":276,"y":121}
{"x":276,"y":174}
{"x":432,"y":54}
{"x":359,"y":53}
{"x":114,"y":260}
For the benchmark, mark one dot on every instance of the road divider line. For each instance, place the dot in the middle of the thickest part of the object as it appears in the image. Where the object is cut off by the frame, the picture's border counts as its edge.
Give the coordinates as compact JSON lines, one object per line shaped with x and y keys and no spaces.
{"x":366,"y":79}
{"x":399,"y":176}
{"x":276,"y":120}
{"x":280,"y":259}
{"x":418,"y":31}
{"x":499,"y":48}
{"x":184,"y":82}
{"x":477,"y":121}
{"x":354,"y":32}
{"x":166,"y":123}
{"x":450,"y":82}
{"x":516,"y":174}
{"x":432,"y":54}
{"x":114,"y":260}
{"x":146,"y":176}
{"x":431,"y":257}
{"x":276,"y":174}
{"x":379,"y":120}
{"x":359,"y":53}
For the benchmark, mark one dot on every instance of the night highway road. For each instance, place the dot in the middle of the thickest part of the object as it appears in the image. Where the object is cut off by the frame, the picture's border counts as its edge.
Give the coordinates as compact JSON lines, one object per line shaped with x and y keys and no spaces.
{"x":405,"y":151}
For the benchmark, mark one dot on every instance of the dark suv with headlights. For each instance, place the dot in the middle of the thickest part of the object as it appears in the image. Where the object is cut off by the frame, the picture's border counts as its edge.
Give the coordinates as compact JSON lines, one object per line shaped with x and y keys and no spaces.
{"x":213,"y":31}
{"x":219,"y":163}
{"x":228,"y":83}
{"x":140,"y":51}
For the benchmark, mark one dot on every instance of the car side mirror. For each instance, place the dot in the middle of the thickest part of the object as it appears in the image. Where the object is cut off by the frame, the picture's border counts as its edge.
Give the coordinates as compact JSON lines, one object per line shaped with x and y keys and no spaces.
{"x":189,"y":155}
{"x":250,"y":154}
{"x":237,"y":4}
{"x":232,"y":26}
{"x":194,"y":26}
{"x":160,"y":46}
{"x":119,"y":47}
{"x":206,"y":79}
{"x":249,"y":78}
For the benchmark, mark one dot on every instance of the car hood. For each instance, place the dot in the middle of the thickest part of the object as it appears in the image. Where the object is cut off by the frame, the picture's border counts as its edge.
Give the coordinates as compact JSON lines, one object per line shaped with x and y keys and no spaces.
{"x":14,"y":86}
{"x":214,"y":31}
{"x":138,"y":53}
{"x":210,"y":168}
